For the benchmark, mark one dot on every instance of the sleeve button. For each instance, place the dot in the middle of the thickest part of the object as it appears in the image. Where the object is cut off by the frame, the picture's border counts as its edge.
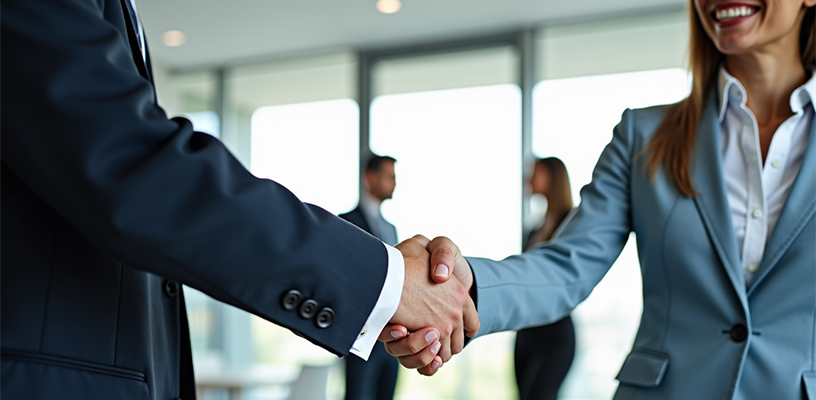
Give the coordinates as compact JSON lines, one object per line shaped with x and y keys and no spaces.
{"x":324,"y":318}
{"x":308,"y":309}
{"x":291,"y":300}
{"x":171,"y":288}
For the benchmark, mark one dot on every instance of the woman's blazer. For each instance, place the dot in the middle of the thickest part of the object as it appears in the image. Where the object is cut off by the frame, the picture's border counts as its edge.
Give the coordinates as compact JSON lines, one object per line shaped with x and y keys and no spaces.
{"x":703,"y":334}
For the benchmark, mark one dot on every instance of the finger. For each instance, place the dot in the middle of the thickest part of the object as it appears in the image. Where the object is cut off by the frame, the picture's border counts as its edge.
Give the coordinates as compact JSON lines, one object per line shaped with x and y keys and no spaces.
{"x":416,"y":246}
{"x":413,"y":343}
{"x":445,"y":350}
{"x":443,"y":258}
{"x":421,"y":359}
{"x":471,"y":319}
{"x":393,"y":332}
{"x":457,"y":341}
{"x":422,"y":240}
{"x":431,"y":369}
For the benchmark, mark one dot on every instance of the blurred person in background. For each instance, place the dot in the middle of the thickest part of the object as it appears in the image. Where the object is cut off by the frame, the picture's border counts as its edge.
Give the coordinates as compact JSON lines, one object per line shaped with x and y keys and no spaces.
{"x":376,"y":378}
{"x":543,"y":355}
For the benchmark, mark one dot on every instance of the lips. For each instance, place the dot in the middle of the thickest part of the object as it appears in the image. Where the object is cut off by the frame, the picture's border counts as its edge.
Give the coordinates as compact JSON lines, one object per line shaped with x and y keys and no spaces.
{"x":729,"y":14}
{"x":733,"y":12}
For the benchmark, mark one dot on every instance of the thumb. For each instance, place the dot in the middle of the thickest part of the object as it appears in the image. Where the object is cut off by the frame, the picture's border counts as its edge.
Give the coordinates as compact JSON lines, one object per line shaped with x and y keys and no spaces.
{"x":444,"y":254}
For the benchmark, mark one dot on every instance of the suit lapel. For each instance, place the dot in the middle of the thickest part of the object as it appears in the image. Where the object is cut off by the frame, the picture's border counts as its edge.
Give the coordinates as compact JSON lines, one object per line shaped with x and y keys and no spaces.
{"x":712,"y":201}
{"x":133,"y":39}
{"x":799,"y":208}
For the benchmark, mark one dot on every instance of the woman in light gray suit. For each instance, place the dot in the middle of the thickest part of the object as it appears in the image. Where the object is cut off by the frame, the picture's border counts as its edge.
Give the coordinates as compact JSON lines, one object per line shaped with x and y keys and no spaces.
{"x":720,"y":189}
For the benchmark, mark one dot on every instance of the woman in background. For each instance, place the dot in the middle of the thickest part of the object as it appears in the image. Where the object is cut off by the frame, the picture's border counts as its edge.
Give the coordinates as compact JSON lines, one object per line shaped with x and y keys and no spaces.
{"x":543,"y":355}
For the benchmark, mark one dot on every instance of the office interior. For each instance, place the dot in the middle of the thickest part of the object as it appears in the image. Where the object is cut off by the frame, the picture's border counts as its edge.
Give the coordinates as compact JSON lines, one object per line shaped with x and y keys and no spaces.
{"x":463,"y":103}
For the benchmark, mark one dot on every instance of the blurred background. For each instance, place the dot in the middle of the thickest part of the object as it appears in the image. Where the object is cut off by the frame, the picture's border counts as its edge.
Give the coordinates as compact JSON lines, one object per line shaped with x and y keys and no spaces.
{"x":463,"y":94}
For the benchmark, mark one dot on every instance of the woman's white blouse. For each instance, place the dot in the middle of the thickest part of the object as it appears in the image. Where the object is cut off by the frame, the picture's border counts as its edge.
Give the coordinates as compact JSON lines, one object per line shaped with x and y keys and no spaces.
{"x":757,"y":192}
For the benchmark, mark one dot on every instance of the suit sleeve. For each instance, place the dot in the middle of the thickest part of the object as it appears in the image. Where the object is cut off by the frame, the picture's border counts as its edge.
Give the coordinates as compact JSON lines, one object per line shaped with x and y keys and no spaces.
{"x":544,"y":284}
{"x":81,"y":128}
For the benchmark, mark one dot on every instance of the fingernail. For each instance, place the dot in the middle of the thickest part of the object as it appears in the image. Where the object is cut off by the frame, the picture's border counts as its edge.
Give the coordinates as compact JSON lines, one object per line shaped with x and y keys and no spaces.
{"x":442,"y":270}
{"x":397,"y":334}
{"x":435,"y":348}
{"x":434,"y":364}
{"x":430,"y":337}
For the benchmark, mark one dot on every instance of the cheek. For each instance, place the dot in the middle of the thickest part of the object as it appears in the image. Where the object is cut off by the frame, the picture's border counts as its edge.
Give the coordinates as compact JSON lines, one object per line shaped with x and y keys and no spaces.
{"x":781,"y":16}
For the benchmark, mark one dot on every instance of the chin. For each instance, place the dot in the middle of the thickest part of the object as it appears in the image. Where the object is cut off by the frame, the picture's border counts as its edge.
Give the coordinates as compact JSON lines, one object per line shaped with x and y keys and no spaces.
{"x":733,"y":48}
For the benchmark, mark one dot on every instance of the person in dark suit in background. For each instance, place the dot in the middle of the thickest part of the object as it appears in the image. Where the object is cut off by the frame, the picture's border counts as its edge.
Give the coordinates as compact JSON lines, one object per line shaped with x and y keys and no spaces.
{"x":544,"y":354}
{"x":109,"y":207}
{"x":380,"y":181}
{"x":377,"y":377}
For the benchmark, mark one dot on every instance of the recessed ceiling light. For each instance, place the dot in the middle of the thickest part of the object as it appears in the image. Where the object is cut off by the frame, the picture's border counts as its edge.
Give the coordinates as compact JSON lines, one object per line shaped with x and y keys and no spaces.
{"x":174,"y":38}
{"x":389,"y":6}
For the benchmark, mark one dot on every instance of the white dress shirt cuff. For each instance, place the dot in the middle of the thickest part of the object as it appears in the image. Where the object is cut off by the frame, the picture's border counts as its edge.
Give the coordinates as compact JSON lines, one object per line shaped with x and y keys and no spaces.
{"x":386,"y":305}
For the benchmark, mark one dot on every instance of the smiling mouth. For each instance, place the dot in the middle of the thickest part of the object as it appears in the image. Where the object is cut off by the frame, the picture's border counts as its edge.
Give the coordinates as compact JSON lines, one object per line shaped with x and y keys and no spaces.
{"x":734,"y":11}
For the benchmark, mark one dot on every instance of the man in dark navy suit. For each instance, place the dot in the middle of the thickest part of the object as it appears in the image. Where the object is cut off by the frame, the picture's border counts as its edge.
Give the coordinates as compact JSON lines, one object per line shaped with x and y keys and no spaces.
{"x":108,"y":207}
{"x":377,"y":377}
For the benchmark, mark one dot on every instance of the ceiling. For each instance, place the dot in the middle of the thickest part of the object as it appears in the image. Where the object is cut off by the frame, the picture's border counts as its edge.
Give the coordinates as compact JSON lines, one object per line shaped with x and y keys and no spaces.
{"x":230,"y":31}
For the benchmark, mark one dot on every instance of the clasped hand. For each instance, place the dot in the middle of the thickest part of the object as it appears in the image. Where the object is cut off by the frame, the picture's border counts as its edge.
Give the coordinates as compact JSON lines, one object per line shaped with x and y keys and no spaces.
{"x":436,"y":311}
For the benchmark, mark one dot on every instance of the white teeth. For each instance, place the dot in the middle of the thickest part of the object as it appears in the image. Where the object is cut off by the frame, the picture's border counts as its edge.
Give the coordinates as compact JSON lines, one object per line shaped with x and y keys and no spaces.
{"x":725,"y":14}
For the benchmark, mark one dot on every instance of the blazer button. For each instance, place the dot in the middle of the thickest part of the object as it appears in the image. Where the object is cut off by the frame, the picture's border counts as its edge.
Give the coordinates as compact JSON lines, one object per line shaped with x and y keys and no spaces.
{"x":324,"y":318}
{"x":739,"y":333}
{"x":291,"y":300}
{"x":308,"y":309}
{"x":171,"y":288}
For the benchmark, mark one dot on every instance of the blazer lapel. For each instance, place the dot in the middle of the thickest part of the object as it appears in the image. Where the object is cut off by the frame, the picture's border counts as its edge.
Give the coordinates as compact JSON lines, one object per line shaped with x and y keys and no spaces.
{"x":798,"y":210}
{"x":133,"y":39}
{"x":712,"y":200}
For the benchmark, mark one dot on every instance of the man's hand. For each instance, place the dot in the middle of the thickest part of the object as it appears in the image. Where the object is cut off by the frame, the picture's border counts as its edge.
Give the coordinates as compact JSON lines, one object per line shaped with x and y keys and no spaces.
{"x":418,"y":349}
{"x":446,"y":308}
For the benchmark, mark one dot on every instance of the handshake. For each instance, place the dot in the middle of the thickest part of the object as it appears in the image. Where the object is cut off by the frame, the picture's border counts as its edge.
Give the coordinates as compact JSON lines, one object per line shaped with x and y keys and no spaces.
{"x":436,"y":310}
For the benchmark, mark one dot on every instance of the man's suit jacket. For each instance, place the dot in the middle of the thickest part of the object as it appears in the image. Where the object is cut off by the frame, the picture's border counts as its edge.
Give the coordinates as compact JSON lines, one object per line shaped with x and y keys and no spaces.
{"x":107,"y":206}
{"x":357,"y":217}
{"x":703,"y":335}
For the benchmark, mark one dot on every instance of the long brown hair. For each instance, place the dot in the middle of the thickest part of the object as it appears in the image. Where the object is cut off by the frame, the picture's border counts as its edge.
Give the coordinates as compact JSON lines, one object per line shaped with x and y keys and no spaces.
{"x":559,"y":193}
{"x":674,"y":138}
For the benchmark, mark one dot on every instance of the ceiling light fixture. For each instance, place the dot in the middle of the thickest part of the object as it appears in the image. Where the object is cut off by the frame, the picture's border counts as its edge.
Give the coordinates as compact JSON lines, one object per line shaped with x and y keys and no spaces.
{"x":173,"y":38}
{"x":389,"y":6}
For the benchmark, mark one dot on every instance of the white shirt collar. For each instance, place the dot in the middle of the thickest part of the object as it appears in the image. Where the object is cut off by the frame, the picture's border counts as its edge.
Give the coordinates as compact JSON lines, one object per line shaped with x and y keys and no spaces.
{"x":732,"y":90}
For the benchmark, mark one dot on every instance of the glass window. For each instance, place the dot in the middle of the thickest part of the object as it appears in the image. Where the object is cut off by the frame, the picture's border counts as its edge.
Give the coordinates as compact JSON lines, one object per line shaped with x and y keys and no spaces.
{"x":290,"y":121}
{"x":192,"y":95}
{"x":573,"y":120}
{"x":296,"y":124}
{"x":458,"y":173}
{"x":312,"y":149}
{"x":457,"y":69}
{"x":205,"y":121}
